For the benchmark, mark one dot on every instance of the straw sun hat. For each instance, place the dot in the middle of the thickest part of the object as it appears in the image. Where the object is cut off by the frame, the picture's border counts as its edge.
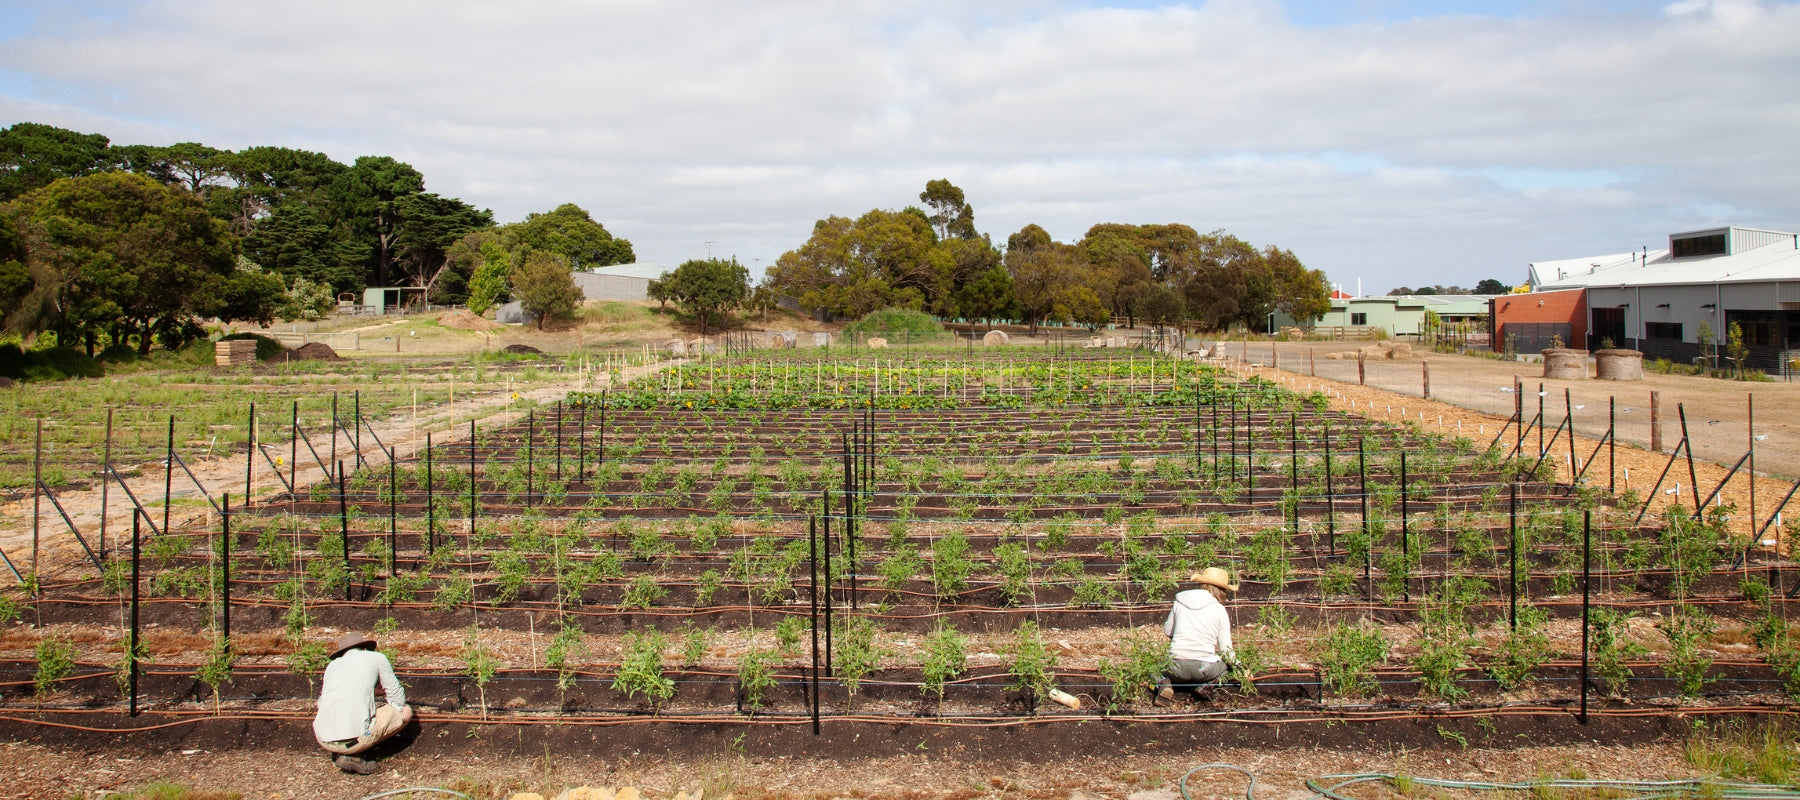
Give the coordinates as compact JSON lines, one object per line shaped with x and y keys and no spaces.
{"x":1214,"y":576}
{"x":351,"y":640}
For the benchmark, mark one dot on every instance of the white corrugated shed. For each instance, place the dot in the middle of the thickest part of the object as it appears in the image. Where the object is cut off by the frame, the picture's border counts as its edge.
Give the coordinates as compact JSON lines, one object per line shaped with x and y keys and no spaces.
{"x":1776,"y":260}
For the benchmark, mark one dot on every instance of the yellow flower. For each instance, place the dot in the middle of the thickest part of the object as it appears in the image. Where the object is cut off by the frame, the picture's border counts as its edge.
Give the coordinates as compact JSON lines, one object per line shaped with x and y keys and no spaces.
{"x":690,"y":404}
{"x":515,"y":395}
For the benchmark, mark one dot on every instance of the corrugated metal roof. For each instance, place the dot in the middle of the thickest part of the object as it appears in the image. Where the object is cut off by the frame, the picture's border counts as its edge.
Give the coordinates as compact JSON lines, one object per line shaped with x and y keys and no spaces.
{"x":643,"y":270}
{"x":1778,"y":260}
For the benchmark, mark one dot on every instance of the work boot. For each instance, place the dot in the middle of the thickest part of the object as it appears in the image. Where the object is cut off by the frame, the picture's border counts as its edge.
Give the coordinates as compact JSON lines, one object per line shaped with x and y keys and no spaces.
{"x":1165,"y":692}
{"x":354,"y":765}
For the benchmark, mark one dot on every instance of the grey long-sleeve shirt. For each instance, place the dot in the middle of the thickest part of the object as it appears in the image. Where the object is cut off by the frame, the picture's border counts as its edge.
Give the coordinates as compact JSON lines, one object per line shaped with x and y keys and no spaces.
{"x":347,"y":694}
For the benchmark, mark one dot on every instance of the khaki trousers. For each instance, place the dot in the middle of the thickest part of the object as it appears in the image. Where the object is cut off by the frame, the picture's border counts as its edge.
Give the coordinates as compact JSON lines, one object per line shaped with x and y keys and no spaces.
{"x":386,"y":723}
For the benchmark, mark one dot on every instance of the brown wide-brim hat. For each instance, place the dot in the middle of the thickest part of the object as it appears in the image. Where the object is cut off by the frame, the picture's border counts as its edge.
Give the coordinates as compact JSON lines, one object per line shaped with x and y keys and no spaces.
{"x":349,"y":641}
{"x":1214,"y":576}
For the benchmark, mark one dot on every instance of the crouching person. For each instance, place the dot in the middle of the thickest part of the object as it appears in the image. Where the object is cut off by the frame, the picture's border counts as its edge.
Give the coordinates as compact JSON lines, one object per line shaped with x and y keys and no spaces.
{"x":348,"y":722}
{"x":1199,"y":633}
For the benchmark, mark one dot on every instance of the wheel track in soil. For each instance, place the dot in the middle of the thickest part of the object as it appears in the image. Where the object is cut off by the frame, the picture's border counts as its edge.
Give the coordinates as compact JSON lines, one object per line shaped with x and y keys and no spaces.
{"x":58,"y":548}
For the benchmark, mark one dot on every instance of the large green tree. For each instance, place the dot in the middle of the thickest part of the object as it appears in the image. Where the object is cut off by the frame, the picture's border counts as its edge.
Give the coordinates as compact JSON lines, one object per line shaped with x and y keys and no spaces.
{"x":32,"y":155}
{"x":124,"y":255}
{"x":914,"y":258}
{"x":368,"y":197}
{"x":569,"y":232}
{"x":707,"y":288}
{"x":545,"y":287}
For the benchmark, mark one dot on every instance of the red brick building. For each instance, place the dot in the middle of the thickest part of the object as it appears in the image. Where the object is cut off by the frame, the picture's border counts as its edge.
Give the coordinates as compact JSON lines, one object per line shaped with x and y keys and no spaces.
{"x":1531,"y":320}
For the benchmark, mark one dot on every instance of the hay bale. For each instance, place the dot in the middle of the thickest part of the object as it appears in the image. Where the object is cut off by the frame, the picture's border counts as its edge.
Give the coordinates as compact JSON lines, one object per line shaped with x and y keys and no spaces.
{"x":1566,"y":364}
{"x":1373,"y":351}
{"x":1335,"y":356}
{"x":995,"y":338}
{"x":1618,"y":365}
{"x":877,"y":343}
{"x":1398,"y":349}
{"x":676,"y":347}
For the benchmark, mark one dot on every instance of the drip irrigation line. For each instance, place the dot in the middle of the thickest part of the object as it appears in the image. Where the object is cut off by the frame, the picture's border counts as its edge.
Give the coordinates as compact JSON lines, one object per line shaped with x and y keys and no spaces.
{"x":789,"y":719}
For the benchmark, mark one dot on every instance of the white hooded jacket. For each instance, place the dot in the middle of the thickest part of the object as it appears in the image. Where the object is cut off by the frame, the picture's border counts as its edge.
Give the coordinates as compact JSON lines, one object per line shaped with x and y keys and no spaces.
{"x":1198,"y":627}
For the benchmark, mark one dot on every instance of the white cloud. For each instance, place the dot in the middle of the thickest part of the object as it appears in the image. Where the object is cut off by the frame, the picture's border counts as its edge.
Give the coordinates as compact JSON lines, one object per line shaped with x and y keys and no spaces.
{"x":1441,"y":149}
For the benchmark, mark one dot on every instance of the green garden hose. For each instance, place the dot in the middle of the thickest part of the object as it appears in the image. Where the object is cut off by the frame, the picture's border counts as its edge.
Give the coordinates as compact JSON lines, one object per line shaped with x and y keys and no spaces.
{"x":1249,"y":791}
{"x":417,"y":789}
{"x":1633,"y":790}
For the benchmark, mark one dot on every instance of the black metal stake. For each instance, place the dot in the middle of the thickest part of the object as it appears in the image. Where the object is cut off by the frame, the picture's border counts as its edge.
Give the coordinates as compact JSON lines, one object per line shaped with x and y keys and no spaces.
{"x":812,"y":547}
{"x":1512,"y":557}
{"x":105,"y":458}
{"x":1587,"y":566}
{"x":1330,"y":499}
{"x":559,"y":426}
{"x":168,"y":477}
{"x":1405,"y":530}
{"x":393,"y":518}
{"x":1362,"y":488}
{"x":344,"y":528}
{"x":132,"y":648}
{"x":830,"y":582}
{"x":250,"y":453}
{"x":225,"y":572}
{"x":430,"y":502}
{"x":471,"y":484}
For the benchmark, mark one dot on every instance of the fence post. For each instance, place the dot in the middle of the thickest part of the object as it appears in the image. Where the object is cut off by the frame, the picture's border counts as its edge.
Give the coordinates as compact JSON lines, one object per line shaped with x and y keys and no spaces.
{"x":1362,"y":377}
{"x":1425,"y":368}
{"x":1656,"y":422}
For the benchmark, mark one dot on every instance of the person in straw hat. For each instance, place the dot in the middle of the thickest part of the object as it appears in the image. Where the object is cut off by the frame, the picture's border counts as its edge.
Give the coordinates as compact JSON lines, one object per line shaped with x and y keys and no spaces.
{"x":1199,"y":633}
{"x":348,"y":723}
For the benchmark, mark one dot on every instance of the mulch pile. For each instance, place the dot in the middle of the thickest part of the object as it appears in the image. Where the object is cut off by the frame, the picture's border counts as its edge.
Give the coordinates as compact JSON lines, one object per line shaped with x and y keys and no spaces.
{"x":521,"y":350}
{"x":464,"y":320}
{"x":311,"y":351}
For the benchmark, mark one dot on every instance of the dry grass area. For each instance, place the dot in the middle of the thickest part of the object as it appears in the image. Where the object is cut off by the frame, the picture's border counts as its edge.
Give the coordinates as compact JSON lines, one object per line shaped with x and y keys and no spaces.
{"x":36,"y":771}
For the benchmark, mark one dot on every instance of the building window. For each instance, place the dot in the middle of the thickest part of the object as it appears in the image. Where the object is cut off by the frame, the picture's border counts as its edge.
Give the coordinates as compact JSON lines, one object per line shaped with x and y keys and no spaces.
{"x":1359,"y":318}
{"x":1663,"y":330}
{"x":1698,"y":246}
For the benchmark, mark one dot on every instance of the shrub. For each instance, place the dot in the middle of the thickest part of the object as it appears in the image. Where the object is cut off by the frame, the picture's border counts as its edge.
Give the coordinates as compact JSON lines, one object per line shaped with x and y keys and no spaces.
{"x":1030,"y":663}
{"x":55,"y":661}
{"x":1347,"y":666}
{"x":945,"y":658}
{"x":756,"y":676}
{"x":641,"y":668}
{"x":52,"y":364}
{"x":898,"y":325}
{"x":1143,"y":659}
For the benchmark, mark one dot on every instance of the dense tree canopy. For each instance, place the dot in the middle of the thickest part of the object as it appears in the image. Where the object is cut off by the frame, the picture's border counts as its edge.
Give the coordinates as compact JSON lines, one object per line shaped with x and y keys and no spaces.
{"x":123,"y":255}
{"x":934,"y":259}
{"x":911,"y":258}
{"x":545,"y":286}
{"x":707,"y":288}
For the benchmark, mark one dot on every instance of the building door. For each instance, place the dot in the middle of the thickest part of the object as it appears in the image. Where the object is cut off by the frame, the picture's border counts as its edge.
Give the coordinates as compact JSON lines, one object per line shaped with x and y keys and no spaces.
{"x":1608,"y":325}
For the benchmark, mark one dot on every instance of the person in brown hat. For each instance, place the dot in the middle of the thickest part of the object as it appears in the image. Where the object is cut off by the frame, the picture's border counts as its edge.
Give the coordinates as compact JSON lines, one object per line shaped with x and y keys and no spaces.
{"x":348,"y":723}
{"x":1199,"y":633}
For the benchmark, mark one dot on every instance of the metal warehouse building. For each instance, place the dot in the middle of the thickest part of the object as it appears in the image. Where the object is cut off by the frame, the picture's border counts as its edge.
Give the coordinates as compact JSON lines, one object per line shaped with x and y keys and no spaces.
{"x":1661,"y":301}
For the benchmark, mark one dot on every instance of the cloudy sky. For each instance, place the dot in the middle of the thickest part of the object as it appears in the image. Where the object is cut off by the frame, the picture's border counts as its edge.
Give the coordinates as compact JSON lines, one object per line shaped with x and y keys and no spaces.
{"x":1402,"y":142}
